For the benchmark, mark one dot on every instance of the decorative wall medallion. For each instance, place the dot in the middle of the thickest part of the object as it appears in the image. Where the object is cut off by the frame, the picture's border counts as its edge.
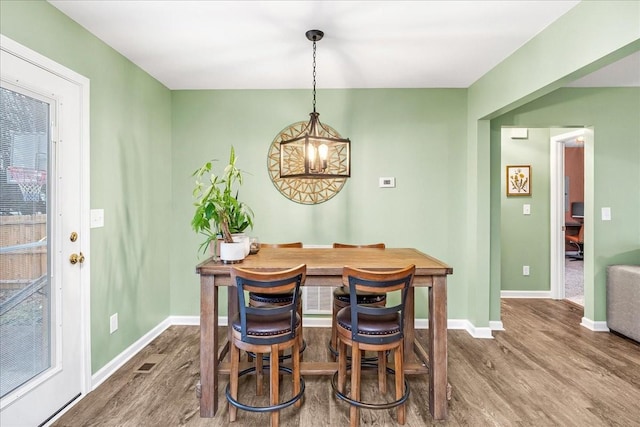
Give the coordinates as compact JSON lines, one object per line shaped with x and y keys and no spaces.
{"x":307,"y":191}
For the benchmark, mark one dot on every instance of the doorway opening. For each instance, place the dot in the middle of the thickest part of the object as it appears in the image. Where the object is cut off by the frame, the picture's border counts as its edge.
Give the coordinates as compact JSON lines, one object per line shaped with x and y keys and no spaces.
{"x":568,"y":205}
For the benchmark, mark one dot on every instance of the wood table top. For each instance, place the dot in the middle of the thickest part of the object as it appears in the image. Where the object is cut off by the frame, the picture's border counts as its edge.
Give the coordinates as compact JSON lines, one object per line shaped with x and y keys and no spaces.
{"x":330,"y":261}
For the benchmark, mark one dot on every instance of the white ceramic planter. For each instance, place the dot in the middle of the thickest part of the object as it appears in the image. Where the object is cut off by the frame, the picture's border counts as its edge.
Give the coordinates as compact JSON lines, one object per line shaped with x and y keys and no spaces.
{"x":231,"y":253}
{"x":244,"y":239}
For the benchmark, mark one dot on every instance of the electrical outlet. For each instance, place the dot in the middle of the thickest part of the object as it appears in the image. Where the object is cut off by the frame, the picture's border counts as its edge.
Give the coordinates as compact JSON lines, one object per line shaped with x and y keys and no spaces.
{"x":525,"y":270}
{"x":113,"y":323}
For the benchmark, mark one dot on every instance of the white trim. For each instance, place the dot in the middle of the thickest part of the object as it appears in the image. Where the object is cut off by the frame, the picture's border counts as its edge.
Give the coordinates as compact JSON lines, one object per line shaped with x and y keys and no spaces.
{"x":188,"y":320}
{"x":496,"y":325}
{"x":483,"y":332}
{"x":556,"y":222}
{"x":424,"y":324}
{"x":117,"y":362}
{"x":459,"y":324}
{"x":84,"y":87}
{"x":525,"y":294}
{"x":557,"y":213}
{"x":317,"y":322}
{"x":192,"y":320}
{"x":325,"y":322}
{"x":596,"y":326}
{"x":311,"y":322}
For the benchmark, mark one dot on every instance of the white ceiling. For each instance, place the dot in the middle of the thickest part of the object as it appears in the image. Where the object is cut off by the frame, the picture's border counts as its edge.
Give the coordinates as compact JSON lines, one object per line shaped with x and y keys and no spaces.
{"x":367,"y":44}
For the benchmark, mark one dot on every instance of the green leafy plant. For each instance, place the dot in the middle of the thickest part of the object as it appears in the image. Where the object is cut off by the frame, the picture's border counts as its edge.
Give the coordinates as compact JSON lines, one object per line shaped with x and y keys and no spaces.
{"x":218,"y":210}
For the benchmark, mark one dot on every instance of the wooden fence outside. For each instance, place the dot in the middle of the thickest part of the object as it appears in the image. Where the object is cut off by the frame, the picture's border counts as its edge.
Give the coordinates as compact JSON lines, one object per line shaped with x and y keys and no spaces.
{"x":19,"y":263}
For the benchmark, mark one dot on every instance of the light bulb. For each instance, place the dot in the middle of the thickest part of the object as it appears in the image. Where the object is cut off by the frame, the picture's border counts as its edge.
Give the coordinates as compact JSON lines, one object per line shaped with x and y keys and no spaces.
{"x":323,"y":150}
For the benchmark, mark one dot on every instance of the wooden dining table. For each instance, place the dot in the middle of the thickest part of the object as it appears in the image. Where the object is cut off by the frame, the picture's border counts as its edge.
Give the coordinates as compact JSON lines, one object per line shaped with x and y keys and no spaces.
{"x":324,"y":268}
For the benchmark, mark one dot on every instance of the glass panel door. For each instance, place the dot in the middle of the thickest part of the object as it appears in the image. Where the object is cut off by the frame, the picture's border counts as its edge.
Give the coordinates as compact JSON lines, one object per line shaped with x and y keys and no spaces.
{"x":44,"y":357}
{"x":25,"y":289}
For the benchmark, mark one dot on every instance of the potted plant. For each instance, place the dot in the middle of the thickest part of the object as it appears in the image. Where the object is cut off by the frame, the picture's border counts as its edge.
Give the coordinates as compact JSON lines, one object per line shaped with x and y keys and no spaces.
{"x":218,"y":211}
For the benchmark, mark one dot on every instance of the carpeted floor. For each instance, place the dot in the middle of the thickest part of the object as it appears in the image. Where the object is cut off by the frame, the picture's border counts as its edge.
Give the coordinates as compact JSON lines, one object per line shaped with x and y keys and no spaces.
{"x":574,"y":280}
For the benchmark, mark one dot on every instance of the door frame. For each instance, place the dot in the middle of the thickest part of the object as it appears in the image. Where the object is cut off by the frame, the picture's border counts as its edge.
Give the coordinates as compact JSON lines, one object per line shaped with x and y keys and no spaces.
{"x":557,"y":214}
{"x":83,"y":83}
{"x":556,"y":183}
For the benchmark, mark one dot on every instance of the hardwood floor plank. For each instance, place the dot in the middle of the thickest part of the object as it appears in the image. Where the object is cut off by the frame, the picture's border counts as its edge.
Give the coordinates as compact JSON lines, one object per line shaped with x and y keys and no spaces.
{"x":543,"y":370}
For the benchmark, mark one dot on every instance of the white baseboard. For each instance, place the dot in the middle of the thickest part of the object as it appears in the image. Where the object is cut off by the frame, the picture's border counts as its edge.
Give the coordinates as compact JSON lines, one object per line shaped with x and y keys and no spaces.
{"x":463,"y":324}
{"x":116,"y":363}
{"x":187,"y":320}
{"x":474,"y":331}
{"x":193,"y":320}
{"x":525,"y":294}
{"x":312,"y":322}
{"x":317,"y":322}
{"x":596,"y":326}
{"x":496,"y":325}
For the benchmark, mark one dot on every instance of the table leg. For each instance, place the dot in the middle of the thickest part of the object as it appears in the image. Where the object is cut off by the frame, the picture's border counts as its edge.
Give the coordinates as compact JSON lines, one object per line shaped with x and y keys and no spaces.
{"x":208,"y":347}
{"x":438,"y":348}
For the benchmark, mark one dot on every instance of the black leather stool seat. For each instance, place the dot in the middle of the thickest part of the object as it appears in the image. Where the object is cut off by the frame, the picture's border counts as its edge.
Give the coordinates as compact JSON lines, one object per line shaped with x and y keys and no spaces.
{"x":342,"y":295}
{"x":387,"y":324}
{"x":257,"y":299}
{"x":271,"y":298}
{"x":256,"y":326}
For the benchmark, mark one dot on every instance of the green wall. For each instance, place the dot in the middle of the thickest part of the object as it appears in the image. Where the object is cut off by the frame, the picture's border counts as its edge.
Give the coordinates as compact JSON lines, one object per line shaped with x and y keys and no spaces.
{"x":130,"y":173}
{"x":439,"y":144}
{"x":416,"y":136}
{"x":525,"y":238}
{"x":591,"y":35}
{"x":614,"y":163}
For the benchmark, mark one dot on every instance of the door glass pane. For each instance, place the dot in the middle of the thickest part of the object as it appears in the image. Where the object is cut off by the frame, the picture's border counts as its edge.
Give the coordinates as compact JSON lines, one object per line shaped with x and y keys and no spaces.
{"x":25,"y":303}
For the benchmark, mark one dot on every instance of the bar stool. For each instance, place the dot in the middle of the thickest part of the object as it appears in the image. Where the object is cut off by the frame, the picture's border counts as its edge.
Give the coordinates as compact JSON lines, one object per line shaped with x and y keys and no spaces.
{"x":268,"y":329}
{"x":341,"y":297}
{"x":374,"y":328}
{"x":263,"y":299}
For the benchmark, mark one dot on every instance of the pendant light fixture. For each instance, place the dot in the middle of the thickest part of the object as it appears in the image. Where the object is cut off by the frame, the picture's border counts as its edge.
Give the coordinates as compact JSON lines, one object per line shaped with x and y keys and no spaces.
{"x":318,"y":152}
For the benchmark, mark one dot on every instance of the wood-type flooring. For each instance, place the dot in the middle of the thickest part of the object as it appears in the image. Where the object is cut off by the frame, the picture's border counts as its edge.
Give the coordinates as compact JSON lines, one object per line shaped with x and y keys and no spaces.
{"x":544,"y":369}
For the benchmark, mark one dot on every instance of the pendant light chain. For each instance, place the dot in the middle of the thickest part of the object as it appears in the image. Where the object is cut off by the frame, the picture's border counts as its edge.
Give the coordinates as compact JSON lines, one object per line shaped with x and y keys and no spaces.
{"x":314,"y":76}
{"x":316,"y":151}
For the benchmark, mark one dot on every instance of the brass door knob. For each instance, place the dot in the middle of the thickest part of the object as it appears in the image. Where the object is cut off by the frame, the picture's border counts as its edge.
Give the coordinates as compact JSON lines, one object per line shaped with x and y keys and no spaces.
{"x":76,"y":258}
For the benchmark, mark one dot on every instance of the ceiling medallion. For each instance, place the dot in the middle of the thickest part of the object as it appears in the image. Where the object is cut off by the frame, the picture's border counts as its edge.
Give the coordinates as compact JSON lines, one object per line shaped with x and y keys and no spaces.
{"x":306,"y":191}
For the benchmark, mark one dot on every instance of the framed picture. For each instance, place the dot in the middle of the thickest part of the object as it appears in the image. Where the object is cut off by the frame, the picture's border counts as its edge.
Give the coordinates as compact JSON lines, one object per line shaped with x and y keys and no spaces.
{"x":519,"y":180}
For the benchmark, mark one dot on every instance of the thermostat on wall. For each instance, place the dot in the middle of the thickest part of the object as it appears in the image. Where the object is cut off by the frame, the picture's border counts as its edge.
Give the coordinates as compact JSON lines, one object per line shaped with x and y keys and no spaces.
{"x":387,"y":182}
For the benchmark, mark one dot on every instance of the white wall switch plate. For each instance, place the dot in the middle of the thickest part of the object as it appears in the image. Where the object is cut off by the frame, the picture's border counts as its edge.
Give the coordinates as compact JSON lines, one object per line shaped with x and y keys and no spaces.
{"x":387,"y":182}
{"x":525,"y":270}
{"x":113,"y":323}
{"x":606,"y":214}
{"x":526,"y":209}
{"x":97,"y":218}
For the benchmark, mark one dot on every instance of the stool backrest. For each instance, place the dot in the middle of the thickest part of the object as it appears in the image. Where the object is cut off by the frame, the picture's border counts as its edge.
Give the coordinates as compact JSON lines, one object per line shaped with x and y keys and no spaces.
{"x":273,"y":282}
{"x":359,"y":280}
{"x":281,"y":245}
{"x":372,"y":245}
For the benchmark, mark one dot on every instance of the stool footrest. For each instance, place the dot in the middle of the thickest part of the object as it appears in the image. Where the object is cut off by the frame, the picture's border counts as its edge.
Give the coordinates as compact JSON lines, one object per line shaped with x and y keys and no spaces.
{"x":271,"y":408}
{"x":366,"y":405}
